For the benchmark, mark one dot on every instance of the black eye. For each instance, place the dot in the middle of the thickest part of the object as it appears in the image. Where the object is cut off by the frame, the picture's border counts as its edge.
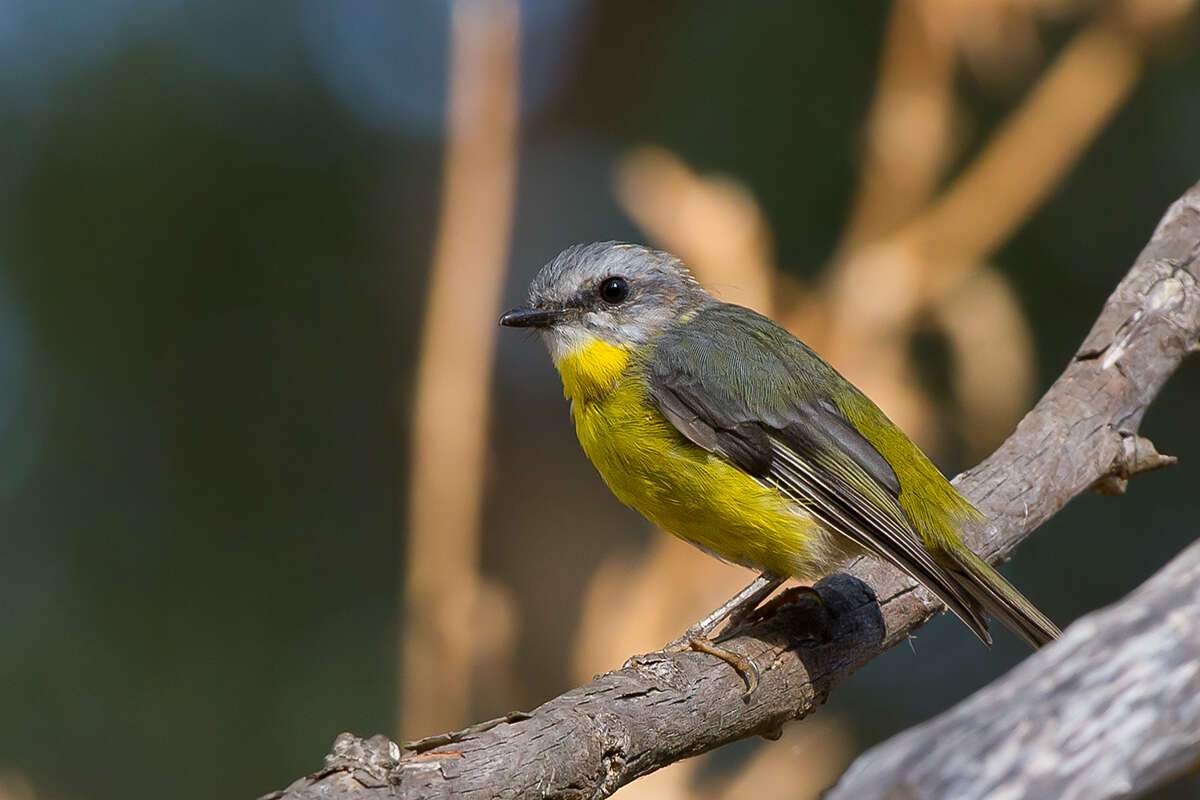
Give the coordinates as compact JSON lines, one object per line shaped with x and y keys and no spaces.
{"x":613,"y":290}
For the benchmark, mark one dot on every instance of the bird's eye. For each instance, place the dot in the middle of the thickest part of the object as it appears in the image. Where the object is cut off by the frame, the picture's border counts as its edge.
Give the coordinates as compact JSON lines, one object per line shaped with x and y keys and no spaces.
{"x":613,"y":290}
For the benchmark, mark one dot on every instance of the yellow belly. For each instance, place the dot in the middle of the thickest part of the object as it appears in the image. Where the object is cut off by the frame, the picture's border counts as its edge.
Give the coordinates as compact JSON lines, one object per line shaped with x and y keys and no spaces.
{"x":682,"y":488}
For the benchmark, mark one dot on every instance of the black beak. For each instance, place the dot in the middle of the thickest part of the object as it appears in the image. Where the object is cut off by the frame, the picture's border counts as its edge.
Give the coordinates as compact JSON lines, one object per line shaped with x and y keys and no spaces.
{"x":530,"y":317}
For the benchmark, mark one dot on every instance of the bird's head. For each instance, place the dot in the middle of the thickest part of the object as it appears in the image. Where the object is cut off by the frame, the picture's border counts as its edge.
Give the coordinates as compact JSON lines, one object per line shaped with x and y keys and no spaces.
{"x":622,"y":294}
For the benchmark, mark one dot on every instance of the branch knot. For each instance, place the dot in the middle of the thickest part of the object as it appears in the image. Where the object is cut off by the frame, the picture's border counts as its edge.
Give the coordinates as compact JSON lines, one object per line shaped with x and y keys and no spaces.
{"x":1137,"y":454}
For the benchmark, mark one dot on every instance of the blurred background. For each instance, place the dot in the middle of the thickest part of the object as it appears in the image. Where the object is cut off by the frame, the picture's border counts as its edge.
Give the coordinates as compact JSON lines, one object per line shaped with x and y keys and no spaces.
{"x":269,"y":472}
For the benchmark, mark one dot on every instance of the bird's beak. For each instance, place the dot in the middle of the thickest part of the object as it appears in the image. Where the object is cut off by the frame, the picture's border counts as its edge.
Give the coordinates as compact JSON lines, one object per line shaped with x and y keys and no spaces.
{"x":531,"y":317}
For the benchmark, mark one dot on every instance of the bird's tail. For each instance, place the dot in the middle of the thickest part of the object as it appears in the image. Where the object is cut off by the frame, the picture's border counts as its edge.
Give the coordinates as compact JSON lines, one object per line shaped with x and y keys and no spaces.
{"x":1001,"y":599}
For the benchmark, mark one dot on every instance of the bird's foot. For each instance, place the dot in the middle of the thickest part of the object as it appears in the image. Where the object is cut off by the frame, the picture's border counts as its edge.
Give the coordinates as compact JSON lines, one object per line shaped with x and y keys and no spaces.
{"x":737,"y":610}
{"x":700,"y":637}
{"x":700,"y":643}
{"x":744,"y":666}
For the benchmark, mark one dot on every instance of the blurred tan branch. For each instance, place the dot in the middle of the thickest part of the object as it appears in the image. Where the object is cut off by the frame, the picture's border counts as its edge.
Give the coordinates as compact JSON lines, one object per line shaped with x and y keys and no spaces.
{"x":442,"y":588}
{"x":909,"y":136}
{"x":924,"y":259}
{"x":1025,"y":159}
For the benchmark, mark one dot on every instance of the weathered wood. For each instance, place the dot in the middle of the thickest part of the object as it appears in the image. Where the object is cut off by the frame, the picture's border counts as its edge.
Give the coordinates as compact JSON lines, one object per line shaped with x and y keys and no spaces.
{"x":1112,"y":710}
{"x":591,"y":740}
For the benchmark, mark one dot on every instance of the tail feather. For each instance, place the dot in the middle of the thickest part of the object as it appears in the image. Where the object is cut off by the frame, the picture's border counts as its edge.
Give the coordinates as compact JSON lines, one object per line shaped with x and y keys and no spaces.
{"x":1002,"y":600}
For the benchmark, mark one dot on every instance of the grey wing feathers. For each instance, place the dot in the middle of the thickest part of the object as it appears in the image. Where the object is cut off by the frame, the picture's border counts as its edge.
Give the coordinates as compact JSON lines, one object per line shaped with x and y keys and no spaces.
{"x":876,"y":524}
{"x":826,"y":418}
{"x":745,"y":444}
{"x":730,"y":383}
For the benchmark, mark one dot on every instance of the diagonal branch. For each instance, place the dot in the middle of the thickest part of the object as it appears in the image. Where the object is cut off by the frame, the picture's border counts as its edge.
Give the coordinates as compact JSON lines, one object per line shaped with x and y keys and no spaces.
{"x":1111,"y":711}
{"x":591,"y":740}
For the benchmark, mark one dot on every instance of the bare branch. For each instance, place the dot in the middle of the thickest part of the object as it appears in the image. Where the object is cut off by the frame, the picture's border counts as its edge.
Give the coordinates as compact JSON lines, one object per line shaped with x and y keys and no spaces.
{"x":591,"y":740}
{"x":1113,"y":710}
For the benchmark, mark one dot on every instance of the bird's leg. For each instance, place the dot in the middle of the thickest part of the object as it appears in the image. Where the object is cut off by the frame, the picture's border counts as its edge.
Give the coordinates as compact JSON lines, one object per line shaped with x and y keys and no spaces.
{"x":736,"y":609}
{"x":786,"y":597}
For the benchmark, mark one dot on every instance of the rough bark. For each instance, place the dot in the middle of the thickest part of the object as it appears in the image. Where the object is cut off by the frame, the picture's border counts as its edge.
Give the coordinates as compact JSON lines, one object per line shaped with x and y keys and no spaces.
{"x":1112,"y":710}
{"x":593,"y":739}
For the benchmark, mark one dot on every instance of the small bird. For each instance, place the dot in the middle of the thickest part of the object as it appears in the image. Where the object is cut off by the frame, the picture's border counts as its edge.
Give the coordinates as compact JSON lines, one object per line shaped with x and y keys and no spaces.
{"x":722,"y":428}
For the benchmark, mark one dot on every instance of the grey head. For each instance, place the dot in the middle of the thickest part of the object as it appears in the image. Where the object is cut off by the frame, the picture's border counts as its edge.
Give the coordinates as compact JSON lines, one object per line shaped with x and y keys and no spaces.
{"x":616,"y":292}
{"x":620,"y":293}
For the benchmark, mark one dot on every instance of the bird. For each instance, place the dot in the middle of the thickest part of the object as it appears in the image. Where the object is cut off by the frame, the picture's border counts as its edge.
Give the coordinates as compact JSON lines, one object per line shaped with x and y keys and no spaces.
{"x":724,"y":429}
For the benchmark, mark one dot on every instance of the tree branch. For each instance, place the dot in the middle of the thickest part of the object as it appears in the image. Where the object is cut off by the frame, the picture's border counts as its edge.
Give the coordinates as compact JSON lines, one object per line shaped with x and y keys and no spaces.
{"x":593,"y":739}
{"x":1113,"y":710}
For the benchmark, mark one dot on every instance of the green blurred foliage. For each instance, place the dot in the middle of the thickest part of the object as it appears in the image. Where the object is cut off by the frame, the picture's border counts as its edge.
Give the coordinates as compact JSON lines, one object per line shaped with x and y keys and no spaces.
{"x":203,"y":557}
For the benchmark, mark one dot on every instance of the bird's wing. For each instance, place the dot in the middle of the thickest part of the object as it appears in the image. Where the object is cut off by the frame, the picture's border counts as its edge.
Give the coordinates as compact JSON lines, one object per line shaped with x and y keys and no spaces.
{"x":735,"y":384}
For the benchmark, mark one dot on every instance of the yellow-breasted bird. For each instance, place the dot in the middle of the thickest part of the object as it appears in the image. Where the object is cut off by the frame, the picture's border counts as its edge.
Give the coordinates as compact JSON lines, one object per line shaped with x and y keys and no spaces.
{"x":724,"y":429}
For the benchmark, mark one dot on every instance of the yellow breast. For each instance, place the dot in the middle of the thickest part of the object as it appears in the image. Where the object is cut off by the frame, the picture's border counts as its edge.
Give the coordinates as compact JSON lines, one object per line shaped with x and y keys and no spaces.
{"x":682,"y":488}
